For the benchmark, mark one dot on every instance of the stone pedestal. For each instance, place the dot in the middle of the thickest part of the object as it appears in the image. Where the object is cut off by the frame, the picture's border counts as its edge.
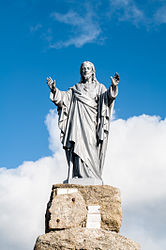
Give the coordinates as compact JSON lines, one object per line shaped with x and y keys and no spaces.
{"x":84,"y":239}
{"x":84,"y":217}
{"x":73,"y":214}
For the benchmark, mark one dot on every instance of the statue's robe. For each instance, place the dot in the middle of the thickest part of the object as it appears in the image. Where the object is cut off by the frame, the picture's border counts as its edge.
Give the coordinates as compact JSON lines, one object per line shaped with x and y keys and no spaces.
{"x":84,"y":115}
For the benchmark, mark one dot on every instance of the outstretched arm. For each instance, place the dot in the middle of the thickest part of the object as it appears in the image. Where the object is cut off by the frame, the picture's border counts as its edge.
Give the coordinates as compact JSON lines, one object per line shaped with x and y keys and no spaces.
{"x":51,"y":84}
{"x":114,"y":85}
{"x":111,"y":93}
{"x":56,"y":96}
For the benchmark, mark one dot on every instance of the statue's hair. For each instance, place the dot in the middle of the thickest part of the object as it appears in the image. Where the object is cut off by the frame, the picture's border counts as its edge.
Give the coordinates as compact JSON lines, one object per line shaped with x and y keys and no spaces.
{"x":93,"y":72}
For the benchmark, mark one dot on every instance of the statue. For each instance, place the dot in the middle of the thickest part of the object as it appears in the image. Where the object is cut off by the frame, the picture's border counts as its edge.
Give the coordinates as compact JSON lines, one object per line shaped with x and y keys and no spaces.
{"x":84,"y":116}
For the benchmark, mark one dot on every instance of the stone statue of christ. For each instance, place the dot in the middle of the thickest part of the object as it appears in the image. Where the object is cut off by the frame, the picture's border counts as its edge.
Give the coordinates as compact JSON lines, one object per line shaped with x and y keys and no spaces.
{"x":84,"y":117}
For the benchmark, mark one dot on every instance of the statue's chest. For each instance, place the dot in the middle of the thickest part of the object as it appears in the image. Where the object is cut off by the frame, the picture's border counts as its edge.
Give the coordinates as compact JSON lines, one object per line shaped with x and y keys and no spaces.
{"x":89,"y":91}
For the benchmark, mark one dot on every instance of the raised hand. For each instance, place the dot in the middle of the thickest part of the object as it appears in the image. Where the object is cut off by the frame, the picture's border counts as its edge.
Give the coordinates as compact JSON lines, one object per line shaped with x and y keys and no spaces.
{"x":115,"y":80}
{"x":51,"y":84}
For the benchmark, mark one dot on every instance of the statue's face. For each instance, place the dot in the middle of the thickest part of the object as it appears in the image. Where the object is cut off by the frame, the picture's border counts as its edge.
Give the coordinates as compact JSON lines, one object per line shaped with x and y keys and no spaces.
{"x":86,"y":71}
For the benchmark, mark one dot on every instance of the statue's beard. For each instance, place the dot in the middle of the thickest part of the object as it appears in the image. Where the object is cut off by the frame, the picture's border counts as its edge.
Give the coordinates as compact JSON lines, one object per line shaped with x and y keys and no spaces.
{"x":86,"y":77}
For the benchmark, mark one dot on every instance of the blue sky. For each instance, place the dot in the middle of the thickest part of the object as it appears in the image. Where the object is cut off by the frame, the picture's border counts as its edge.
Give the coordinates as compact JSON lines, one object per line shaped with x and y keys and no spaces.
{"x":52,"y":38}
{"x":42,"y":38}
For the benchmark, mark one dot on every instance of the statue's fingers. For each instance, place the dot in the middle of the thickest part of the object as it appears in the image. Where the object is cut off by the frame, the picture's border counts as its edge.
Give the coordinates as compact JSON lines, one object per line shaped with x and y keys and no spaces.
{"x":112,"y":79}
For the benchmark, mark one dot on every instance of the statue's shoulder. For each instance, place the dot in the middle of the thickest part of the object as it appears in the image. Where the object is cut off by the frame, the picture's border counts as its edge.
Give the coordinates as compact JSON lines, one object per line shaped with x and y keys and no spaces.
{"x":101,"y":85}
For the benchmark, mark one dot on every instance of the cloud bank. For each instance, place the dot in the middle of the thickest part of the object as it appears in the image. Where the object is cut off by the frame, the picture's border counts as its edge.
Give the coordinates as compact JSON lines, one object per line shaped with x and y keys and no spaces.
{"x":135,"y":162}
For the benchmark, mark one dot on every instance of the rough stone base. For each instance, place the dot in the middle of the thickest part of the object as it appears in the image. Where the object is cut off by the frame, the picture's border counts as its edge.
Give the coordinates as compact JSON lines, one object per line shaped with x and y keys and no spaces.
{"x":84,"y":218}
{"x":107,"y":197}
{"x":84,"y":239}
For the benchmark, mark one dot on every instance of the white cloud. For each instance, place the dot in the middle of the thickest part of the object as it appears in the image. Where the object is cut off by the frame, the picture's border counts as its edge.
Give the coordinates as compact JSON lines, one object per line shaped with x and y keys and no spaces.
{"x":137,"y":149}
{"x":160,"y":15}
{"x":149,"y":14}
{"x":54,"y":132}
{"x":24,"y":194}
{"x":85,"y":23}
{"x":135,"y":162}
{"x":84,"y":28}
{"x":129,"y":11}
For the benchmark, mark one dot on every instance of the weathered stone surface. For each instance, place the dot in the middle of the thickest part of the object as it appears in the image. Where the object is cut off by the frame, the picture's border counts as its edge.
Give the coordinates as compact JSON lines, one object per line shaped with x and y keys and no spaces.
{"x":65,"y":210}
{"x":107,"y":197}
{"x":84,"y":239}
{"x":67,"y":218}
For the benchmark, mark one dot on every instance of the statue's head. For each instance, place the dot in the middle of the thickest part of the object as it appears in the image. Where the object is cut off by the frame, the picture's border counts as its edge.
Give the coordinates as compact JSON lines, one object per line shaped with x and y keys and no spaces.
{"x":87,"y":71}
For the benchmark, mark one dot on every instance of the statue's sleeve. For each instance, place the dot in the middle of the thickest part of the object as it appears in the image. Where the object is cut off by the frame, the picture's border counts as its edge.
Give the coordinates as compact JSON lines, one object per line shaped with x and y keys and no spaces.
{"x":62,"y":99}
{"x":59,"y":98}
{"x":108,"y":95}
{"x":106,"y":104}
{"x":113,"y":91}
{"x":106,"y":100}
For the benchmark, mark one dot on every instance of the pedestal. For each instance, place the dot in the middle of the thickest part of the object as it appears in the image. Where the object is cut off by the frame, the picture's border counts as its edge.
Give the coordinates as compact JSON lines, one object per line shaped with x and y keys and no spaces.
{"x":84,"y":217}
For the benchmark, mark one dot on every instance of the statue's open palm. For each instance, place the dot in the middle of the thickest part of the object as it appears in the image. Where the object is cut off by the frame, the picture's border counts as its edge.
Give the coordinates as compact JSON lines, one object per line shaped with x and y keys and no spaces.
{"x":115,"y":80}
{"x":51,"y":84}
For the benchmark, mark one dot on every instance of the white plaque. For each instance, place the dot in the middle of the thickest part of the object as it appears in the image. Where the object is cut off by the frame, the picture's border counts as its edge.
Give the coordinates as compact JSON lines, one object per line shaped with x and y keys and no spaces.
{"x":66,"y":190}
{"x":94,"y":209}
{"x":93,"y":217}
